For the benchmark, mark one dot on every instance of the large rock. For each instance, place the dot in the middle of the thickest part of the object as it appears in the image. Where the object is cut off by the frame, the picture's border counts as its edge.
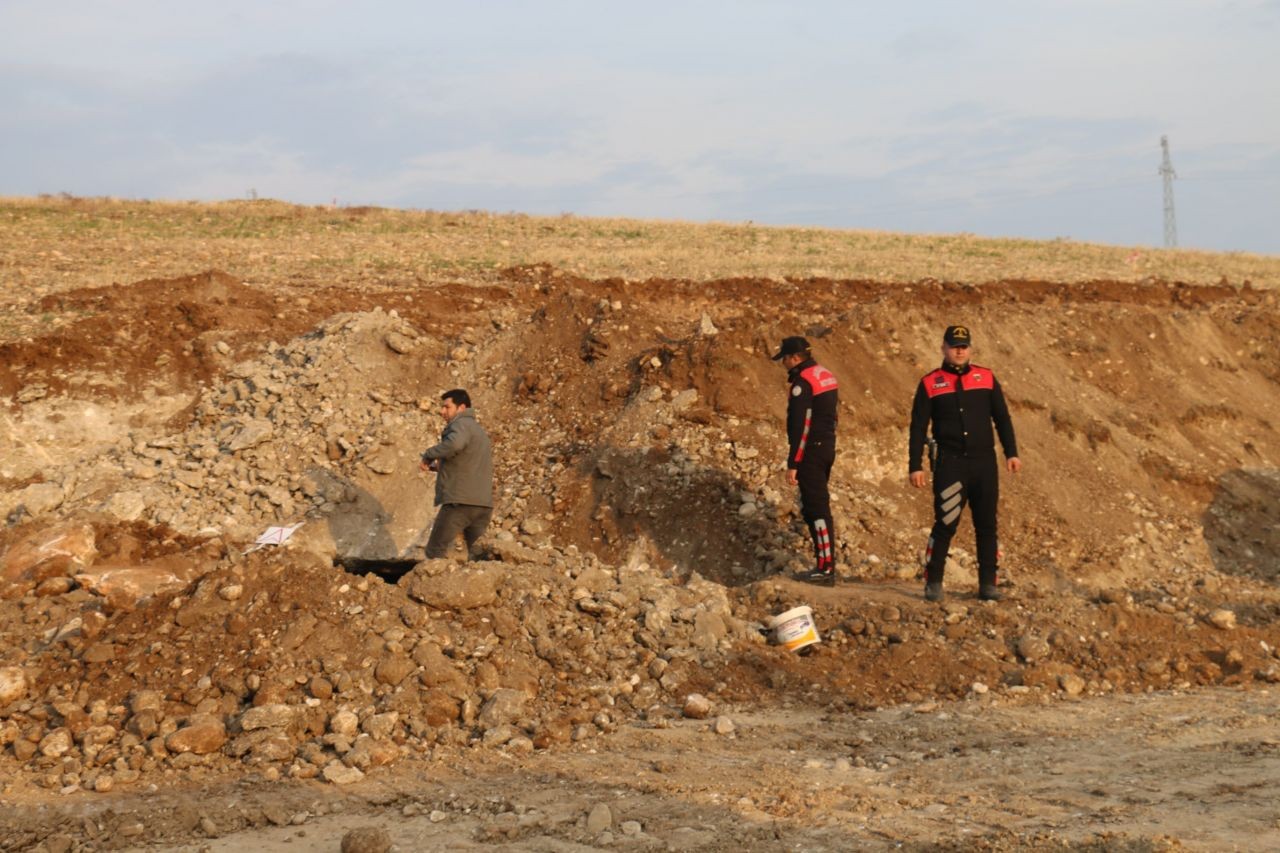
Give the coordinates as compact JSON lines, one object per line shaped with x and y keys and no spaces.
{"x":461,"y":589}
{"x":125,"y":585}
{"x":52,"y":552}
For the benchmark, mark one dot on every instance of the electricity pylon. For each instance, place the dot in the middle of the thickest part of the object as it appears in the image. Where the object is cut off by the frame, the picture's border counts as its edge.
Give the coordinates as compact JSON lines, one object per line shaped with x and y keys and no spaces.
{"x":1166,"y":171}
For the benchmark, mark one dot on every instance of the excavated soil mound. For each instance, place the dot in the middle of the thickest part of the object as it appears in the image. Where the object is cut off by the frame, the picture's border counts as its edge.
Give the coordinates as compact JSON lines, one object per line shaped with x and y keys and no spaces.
{"x":643,"y":534}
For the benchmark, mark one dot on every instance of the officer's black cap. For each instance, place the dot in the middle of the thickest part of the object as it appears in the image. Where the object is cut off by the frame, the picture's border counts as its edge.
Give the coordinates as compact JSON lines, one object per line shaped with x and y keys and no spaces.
{"x":957,"y":336}
{"x":792,"y":346}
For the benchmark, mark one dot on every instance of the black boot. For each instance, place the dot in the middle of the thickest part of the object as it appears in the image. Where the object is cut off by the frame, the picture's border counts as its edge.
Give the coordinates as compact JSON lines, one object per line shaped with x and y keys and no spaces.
{"x":825,"y":577}
{"x":989,"y":592}
{"x":933,"y":591}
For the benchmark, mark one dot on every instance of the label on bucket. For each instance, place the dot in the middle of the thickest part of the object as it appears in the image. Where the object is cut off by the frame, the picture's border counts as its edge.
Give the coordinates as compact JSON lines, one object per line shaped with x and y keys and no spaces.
{"x":795,"y":629}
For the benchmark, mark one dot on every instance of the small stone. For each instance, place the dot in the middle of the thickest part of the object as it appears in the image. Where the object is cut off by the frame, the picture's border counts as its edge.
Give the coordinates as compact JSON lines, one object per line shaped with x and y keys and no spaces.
{"x":979,"y":688}
{"x":13,"y":684}
{"x":394,"y":669}
{"x":56,"y":743}
{"x":202,"y":735}
{"x":600,"y":819}
{"x":697,"y":706}
{"x":231,"y":592}
{"x":399,"y":343}
{"x":340,"y":774}
{"x":1071,"y":684}
{"x":145,"y":700}
{"x":273,"y":716}
{"x":1032,"y":649}
{"x":366,"y":839}
{"x":723,"y":726}
{"x":276,"y":814}
{"x":437,"y":816}
{"x":104,"y":783}
{"x":502,"y":707}
{"x":632,"y":828}
{"x":1223,"y":619}
{"x":344,"y":723}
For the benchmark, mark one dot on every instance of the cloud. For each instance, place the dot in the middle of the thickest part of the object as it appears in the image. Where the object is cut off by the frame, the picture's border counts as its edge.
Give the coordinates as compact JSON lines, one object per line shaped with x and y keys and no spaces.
{"x":933,"y":117}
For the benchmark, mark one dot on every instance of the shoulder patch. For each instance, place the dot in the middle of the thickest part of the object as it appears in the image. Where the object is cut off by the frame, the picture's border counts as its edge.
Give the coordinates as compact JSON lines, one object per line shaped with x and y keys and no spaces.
{"x":795,"y":390}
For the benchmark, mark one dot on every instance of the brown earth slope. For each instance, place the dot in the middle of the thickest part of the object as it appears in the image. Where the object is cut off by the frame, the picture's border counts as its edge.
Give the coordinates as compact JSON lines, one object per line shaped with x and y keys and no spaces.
{"x":643,"y":533}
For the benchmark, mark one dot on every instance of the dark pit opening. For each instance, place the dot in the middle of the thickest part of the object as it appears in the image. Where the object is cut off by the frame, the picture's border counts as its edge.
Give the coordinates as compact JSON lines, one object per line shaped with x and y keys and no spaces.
{"x":389,"y":570}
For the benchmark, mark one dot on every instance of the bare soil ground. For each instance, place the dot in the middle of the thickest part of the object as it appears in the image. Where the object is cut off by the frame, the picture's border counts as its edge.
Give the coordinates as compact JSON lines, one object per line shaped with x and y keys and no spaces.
{"x":174,"y":692}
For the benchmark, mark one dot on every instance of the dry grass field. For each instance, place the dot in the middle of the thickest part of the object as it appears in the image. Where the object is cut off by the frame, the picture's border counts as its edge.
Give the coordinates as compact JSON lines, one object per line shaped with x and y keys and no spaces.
{"x":59,"y":243}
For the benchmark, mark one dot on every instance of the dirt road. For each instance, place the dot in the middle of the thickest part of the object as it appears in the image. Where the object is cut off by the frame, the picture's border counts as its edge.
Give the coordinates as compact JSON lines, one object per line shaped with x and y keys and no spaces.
{"x":1193,"y":771}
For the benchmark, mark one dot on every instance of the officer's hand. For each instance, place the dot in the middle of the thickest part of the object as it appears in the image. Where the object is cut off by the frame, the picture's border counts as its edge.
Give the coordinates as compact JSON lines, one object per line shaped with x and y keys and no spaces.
{"x":917,"y":479}
{"x":792,"y":480}
{"x":433,"y":465}
{"x":1014,"y":464}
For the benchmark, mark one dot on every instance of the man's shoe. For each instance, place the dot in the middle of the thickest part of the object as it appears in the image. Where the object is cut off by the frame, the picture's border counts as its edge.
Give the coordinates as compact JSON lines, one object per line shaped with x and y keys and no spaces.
{"x":933,"y":591}
{"x":818,"y":576}
{"x":989,"y":592}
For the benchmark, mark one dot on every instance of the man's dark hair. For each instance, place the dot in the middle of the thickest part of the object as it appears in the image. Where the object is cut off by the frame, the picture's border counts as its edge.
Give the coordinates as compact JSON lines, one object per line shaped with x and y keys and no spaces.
{"x":458,"y":396}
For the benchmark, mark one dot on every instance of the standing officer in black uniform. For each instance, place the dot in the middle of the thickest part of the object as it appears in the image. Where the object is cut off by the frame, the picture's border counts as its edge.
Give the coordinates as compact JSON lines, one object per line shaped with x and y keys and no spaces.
{"x":813,"y":397}
{"x":962,"y":400}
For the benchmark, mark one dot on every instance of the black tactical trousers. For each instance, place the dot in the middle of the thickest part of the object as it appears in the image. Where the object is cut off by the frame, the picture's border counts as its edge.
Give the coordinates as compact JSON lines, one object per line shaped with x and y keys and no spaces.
{"x":960,"y":480}
{"x":815,"y":501}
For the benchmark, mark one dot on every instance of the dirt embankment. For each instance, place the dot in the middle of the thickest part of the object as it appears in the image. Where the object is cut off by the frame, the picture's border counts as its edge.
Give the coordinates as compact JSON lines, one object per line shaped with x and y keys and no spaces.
{"x":643,"y":533}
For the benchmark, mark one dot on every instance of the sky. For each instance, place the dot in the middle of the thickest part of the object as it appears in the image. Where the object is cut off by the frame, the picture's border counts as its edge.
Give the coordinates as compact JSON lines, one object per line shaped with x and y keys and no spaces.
{"x":1005,"y":118}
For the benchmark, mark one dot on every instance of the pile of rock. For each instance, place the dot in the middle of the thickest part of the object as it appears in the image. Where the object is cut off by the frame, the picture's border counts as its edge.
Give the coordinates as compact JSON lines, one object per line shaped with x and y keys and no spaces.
{"x":289,"y":665}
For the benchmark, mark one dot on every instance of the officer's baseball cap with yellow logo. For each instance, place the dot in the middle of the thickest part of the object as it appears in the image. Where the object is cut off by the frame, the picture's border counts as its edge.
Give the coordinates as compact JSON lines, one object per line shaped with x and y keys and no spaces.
{"x":957,"y":336}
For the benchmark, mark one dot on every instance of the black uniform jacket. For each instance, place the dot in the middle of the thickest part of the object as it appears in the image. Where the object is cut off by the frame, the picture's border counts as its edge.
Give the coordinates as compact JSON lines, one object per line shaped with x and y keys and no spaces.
{"x":814,"y":395}
{"x":962,"y":403}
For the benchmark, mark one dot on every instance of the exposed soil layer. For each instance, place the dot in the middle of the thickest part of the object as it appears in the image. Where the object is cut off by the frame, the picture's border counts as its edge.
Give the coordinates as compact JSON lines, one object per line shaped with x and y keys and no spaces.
{"x":644,"y":535}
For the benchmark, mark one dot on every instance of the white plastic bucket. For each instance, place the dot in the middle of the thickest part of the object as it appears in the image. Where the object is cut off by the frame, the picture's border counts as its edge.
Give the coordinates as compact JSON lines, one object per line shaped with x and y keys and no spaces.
{"x":795,"y":629}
